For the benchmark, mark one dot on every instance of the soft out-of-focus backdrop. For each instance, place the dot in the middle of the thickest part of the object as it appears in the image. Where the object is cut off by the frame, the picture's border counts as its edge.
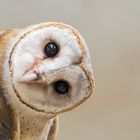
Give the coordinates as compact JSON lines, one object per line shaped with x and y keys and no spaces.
{"x":112,"y":31}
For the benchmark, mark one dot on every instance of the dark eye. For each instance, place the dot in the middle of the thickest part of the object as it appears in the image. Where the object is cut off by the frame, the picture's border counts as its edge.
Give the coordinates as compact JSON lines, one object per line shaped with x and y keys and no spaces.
{"x":61,"y":87}
{"x":51,"y":49}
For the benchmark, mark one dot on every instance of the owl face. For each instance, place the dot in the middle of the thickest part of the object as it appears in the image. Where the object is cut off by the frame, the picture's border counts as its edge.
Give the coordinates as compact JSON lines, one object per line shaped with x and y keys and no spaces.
{"x":50,"y":69}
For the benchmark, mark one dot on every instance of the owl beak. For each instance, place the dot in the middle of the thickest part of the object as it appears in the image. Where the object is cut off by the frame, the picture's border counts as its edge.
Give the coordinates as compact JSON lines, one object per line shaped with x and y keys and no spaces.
{"x":30,"y":76}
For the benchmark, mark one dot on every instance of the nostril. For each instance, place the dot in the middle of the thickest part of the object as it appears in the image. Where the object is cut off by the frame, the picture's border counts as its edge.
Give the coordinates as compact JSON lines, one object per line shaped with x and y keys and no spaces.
{"x":61,"y":87}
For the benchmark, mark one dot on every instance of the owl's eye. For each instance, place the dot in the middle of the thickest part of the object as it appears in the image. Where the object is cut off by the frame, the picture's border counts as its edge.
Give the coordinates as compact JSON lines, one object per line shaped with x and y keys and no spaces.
{"x":61,"y":87}
{"x":51,"y":49}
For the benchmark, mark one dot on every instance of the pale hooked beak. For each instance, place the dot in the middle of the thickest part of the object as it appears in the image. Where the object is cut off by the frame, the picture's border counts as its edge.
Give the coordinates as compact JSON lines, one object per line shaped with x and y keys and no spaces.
{"x":31,"y":76}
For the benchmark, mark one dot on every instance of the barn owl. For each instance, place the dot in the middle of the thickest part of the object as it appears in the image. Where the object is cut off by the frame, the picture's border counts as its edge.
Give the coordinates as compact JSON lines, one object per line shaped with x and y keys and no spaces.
{"x":45,"y":70}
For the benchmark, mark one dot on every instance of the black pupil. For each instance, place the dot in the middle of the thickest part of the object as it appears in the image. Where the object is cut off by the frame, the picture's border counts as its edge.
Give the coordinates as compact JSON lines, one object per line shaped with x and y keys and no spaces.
{"x":61,"y":87}
{"x":51,"y":49}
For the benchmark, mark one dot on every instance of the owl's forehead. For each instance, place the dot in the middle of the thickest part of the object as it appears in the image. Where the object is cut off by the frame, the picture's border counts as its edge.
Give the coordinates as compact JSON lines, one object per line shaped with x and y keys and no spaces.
{"x":61,"y":36}
{"x":59,"y":32}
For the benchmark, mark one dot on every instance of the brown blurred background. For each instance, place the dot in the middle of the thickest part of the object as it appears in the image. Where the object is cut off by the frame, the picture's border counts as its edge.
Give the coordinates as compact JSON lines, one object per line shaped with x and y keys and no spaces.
{"x":112,"y":31}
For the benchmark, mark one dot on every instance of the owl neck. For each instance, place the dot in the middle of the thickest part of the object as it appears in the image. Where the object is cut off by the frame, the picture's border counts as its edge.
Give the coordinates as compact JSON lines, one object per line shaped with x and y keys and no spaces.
{"x":34,"y":126}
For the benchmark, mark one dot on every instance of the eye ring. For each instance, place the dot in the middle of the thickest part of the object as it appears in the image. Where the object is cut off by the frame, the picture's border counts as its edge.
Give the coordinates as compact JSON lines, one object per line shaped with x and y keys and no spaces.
{"x":51,"y":49}
{"x":61,"y":87}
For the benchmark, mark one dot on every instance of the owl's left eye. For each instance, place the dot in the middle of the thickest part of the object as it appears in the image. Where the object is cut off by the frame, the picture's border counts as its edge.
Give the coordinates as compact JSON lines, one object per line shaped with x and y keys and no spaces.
{"x":51,"y":49}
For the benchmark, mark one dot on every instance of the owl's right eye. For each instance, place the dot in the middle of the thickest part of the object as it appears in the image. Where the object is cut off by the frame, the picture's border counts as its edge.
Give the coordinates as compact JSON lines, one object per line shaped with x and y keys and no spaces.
{"x":61,"y":87}
{"x":51,"y":49}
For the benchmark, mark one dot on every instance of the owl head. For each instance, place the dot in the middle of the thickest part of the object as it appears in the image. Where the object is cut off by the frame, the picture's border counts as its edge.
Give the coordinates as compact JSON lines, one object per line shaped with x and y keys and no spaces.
{"x":47,"y":68}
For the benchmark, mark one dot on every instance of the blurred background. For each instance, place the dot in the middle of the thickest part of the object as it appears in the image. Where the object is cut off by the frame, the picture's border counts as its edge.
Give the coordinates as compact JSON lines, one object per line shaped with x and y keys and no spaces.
{"x":111,"y":29}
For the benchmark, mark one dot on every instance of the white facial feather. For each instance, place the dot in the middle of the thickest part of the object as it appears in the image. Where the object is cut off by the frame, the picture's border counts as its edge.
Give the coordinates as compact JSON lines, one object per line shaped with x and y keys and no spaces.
{"x":31,"y":49}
